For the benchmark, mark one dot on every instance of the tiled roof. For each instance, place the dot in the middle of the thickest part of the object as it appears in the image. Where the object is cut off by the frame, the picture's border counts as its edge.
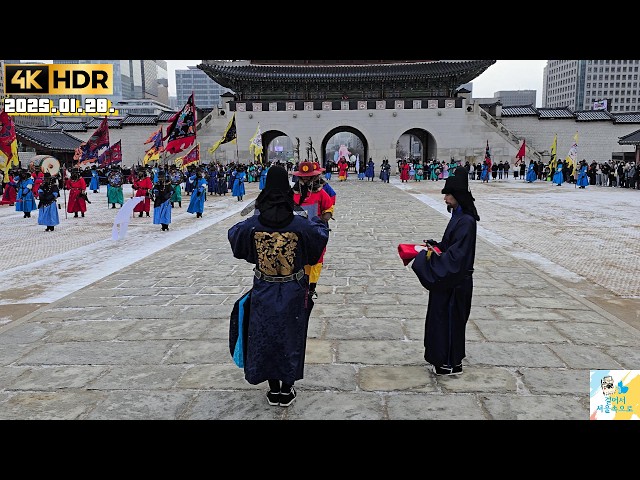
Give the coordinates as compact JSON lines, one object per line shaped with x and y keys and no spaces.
{"x":586,"y":115}
{"x":519,"y":111}
{"x":228,"y":75}
{"x":630,"y":117}
{"x":563,"y":112}
{"x":140,"y":120}
{"x":113,"y":122}
{"x":56,"y":140}
{"x":632,"y":138}
{"x":165,"y":116}
{"x":69,"y":126}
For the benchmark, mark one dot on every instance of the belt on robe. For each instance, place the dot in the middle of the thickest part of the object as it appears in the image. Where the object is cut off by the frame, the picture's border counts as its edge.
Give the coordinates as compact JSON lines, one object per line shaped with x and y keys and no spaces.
{"x":287,"y":278}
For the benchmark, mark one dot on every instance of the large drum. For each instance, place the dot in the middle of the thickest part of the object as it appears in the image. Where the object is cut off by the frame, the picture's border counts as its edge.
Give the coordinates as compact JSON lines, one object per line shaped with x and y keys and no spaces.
{"x":45,"y":163}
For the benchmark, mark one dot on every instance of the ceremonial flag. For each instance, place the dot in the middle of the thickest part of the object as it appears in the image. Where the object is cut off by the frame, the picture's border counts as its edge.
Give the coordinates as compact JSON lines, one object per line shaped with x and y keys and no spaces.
{"x":88,"y":151}
{"x":255,"y":144}
{"x":487,"y":157}
{"x":8,"y":145}
{"x":111,"y":155}
{"x":155,"y":138}
{"x":572,"y":157}
{"x":554,"y":148}
{"x":152,"y":154}
{"x":191,"y":157}
{"x":229,"y":135}
{"x":181,"y":132}
{"x":521,"y":153}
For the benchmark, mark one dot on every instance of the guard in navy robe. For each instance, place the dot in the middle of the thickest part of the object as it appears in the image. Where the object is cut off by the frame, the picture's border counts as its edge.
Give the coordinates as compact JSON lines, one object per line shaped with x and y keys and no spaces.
{"x":279,"y":243}
{"x":449,"y":279}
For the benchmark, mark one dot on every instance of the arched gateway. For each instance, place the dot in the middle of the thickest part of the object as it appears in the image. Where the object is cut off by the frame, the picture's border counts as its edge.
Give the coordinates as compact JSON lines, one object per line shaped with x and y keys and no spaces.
{"x":384,"y":103}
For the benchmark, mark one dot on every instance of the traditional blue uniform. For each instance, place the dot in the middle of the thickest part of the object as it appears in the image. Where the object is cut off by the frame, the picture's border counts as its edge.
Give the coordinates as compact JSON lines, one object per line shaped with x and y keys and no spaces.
{"x":582,"y":180}
{"x":532,"y":176}
{"x":196,"y":202}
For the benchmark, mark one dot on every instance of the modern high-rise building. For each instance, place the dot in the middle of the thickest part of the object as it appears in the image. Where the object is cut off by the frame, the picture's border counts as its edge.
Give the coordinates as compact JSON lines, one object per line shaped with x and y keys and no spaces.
{"x":145,"y":79}
{"x":516,"y":98}
{"x":592,"y":84}
{"x":206,"y":91}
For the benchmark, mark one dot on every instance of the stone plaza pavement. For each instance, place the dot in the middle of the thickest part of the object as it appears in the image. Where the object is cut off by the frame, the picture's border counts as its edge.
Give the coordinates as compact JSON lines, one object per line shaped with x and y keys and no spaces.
{"x":150,"y":340}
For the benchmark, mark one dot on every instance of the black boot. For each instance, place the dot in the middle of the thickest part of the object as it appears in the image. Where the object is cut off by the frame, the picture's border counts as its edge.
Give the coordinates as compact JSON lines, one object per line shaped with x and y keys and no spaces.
{"x":75,"y":215}
{"x":140,"y":214}
{"x":82,"y":213}
{"x":113,"y":205}
{"x":180,"y":204}
{"x":147,"y":214}
{"x":172,"y":206}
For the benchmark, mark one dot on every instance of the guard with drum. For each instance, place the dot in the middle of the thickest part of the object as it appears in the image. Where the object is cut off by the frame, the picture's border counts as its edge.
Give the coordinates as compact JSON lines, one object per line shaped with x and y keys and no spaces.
{"x":115,"y":179}
{"x":176,"y":178}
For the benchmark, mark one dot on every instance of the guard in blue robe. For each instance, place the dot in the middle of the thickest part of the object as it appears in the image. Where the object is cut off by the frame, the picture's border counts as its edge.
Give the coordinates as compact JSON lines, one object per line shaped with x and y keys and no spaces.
{"x":25,"y":200}
{"x":47,"y":206}
{"x":449,"y":279}
{"x":162,"y":192}
{"x":532,"y":176}
{"x":198,"y":195}
{"x":238,"y":190}
{"x":279,"y":244}
{"x":582,"y":180}
{"x":558,"y":177}
{"x":263,"y":177}
{"x":94,"y":184}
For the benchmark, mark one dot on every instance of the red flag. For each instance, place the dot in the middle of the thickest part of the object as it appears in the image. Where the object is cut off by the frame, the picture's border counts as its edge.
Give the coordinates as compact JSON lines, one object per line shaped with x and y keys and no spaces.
{"x":192,"y":156}
{"x":7,"y":134}
{"x":100,"y":137}
{"x":521,"y":153}
{"x":111,"y":155}
{"x":181,"y":133}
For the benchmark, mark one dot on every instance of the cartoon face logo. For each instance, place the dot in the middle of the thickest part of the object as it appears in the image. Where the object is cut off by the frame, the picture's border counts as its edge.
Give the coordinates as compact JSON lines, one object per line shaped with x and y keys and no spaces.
{"x":607,"y":385}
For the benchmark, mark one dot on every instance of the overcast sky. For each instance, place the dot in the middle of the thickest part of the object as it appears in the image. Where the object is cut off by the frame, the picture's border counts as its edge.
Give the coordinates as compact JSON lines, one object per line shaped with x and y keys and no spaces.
{"x":502,"y":75}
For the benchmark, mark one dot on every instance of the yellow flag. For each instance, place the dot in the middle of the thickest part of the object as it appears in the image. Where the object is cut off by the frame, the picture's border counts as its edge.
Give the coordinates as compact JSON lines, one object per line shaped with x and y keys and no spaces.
{"x":229,"y":135}
{"x":554,"y":147}
{"x":6,"y":164}
{"x":255,"y":144}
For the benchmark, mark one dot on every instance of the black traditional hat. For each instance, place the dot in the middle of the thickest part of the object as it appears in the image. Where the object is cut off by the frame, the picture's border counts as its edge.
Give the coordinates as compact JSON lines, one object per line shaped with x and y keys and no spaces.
{"x":456,"y":183}
{"x":275,"y":201}
{"x":458,"y":186}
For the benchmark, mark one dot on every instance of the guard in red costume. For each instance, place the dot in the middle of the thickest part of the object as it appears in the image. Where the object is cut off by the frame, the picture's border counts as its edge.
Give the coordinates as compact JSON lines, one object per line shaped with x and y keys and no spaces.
{"x":309,"y":194}
{"x":143,"y":186}
{"x":77,"y":191}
